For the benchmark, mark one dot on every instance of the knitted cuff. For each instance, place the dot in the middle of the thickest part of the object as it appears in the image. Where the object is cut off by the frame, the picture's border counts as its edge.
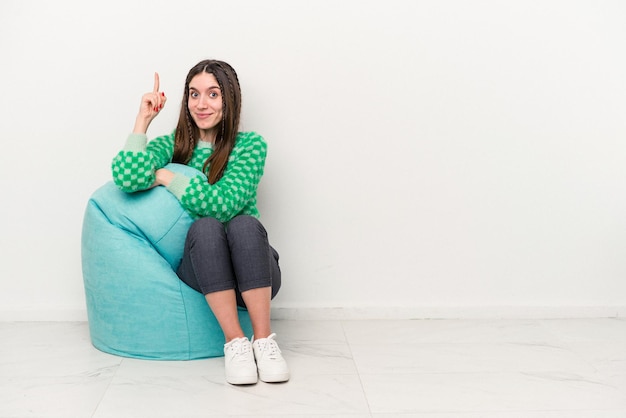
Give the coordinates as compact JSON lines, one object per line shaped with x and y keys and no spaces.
{"x":136,"y":142}
{"x":178,"y":185}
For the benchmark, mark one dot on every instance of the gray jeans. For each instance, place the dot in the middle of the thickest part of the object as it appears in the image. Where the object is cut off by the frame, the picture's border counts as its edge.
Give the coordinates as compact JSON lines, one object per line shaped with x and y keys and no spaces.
{"x":237,"y":256}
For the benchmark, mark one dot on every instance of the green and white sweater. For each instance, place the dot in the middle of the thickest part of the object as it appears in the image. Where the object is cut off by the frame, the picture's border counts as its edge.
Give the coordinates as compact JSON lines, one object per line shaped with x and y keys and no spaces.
{"x":234,"y":194}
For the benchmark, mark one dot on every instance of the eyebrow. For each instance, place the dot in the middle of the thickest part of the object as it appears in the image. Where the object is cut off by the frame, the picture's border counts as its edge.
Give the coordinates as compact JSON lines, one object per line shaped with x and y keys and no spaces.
{"x":210,"y":88}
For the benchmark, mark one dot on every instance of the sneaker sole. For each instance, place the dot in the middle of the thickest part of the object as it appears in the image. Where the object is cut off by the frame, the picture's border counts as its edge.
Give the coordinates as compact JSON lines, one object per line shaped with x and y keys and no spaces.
{"x":273,"y":378}
{"x":242,"y":380}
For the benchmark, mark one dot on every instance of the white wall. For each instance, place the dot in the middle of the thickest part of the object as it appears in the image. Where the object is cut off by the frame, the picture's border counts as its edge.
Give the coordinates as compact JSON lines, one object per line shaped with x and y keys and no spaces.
{"x":427,"y":158}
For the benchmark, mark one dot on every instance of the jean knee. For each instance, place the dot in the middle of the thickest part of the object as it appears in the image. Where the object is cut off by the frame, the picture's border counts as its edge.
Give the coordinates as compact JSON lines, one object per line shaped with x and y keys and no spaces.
{"x":205,"y":227}
{"x":245,"y":225}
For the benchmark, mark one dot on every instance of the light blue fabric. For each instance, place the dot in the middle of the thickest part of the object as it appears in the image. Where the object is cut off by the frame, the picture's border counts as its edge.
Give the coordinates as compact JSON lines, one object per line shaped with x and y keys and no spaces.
{"x":137,"y":307}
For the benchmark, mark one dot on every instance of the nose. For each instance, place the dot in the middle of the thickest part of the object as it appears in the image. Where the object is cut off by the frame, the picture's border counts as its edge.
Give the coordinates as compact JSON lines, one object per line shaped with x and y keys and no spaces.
{"x":203,"y":102}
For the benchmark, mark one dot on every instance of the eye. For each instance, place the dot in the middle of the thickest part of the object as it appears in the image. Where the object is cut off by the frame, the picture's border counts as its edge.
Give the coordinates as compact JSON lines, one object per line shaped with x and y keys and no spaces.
{"x":213,"y":94}
{"x":194,"y":94}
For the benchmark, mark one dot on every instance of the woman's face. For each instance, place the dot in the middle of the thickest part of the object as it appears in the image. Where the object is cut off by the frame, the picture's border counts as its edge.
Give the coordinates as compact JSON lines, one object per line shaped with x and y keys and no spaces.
{"x":205,"y":104}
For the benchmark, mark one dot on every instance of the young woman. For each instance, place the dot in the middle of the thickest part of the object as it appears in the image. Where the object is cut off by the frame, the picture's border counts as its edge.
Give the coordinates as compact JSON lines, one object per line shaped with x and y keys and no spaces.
{"x":227,"y":255}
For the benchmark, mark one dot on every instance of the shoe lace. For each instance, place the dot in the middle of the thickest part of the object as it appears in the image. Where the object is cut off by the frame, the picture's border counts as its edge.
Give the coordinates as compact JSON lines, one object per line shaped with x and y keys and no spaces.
{"x":269,"y":347}
{"x":239,"y":348}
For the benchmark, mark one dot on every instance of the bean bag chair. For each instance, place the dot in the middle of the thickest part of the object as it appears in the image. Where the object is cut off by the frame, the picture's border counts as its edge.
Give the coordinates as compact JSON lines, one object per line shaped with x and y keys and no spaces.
{"x":132,"y":244}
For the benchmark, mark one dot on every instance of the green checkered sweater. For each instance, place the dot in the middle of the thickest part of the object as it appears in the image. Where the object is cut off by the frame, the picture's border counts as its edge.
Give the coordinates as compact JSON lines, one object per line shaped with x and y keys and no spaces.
{"x":234,"y":194}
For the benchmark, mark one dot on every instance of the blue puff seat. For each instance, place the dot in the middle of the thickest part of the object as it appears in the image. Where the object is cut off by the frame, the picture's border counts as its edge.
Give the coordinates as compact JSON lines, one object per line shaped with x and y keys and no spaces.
{"x":137,"y":307}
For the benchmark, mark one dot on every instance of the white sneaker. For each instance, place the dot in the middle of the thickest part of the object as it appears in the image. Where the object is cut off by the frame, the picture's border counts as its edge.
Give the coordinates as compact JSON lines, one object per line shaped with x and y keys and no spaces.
{"x":271,"y":364}
{"x":239,"y":362}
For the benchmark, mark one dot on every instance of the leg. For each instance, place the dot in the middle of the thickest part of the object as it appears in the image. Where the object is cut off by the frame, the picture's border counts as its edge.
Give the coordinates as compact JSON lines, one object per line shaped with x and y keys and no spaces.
{"x":256,"y":269}
{"x":224,"y":306}
{"x":258,"y":303}
{"x":258,"y":279}
{"x":207,"y":268}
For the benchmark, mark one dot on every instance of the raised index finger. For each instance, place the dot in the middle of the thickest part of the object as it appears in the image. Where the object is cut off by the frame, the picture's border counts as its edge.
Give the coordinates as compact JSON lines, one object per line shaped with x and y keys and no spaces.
{"x":156,"y":82}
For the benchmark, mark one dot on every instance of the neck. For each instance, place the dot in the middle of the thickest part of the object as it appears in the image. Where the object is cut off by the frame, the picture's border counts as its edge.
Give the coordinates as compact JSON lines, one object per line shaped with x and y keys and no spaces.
{"x":208,"y":135}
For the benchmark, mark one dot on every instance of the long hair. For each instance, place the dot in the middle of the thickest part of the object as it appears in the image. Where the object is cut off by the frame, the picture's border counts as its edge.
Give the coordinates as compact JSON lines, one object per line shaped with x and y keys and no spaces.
{"x":188,"y":133}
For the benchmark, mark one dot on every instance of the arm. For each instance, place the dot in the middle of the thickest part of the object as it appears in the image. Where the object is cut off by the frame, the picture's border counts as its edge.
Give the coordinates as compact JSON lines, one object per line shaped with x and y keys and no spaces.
{"x":236,"y":189}
{"x":134,"y":167}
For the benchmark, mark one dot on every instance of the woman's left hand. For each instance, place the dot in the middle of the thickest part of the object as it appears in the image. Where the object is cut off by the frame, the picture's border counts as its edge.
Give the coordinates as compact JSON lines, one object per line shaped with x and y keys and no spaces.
{"x":163,"y":177}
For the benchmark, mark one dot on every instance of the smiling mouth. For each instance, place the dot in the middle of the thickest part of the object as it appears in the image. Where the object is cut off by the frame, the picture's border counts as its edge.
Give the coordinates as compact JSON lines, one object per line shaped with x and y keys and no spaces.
{"x":203,"y":115}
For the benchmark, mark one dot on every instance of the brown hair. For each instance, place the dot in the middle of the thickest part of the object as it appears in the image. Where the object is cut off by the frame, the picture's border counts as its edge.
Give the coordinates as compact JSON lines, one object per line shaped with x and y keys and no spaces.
{"x":188,"y":133}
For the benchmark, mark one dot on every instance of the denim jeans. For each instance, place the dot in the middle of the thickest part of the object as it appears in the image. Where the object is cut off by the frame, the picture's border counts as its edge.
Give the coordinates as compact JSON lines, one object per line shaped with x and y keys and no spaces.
{"x":236,"y":256}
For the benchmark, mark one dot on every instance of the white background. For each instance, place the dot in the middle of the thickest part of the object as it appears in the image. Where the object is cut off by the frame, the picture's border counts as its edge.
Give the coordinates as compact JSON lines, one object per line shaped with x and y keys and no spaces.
{"x":426,"y":158}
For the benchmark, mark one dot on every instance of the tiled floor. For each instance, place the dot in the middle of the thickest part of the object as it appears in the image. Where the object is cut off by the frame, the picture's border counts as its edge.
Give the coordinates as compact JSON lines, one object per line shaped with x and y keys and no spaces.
{"x":571,"y":368}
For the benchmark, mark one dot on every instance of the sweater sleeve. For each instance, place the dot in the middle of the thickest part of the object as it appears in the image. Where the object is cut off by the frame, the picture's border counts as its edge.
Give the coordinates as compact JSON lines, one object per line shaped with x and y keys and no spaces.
{"x":234,"y":191}
{"x":134,"y":167}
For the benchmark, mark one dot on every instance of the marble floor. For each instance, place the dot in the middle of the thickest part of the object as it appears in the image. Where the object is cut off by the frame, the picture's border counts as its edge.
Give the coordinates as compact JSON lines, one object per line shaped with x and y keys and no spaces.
{"x":570,"y":368}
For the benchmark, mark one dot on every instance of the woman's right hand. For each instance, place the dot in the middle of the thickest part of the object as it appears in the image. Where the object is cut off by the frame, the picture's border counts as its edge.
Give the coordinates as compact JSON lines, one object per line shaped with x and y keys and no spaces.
{"x":151,"y":104}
